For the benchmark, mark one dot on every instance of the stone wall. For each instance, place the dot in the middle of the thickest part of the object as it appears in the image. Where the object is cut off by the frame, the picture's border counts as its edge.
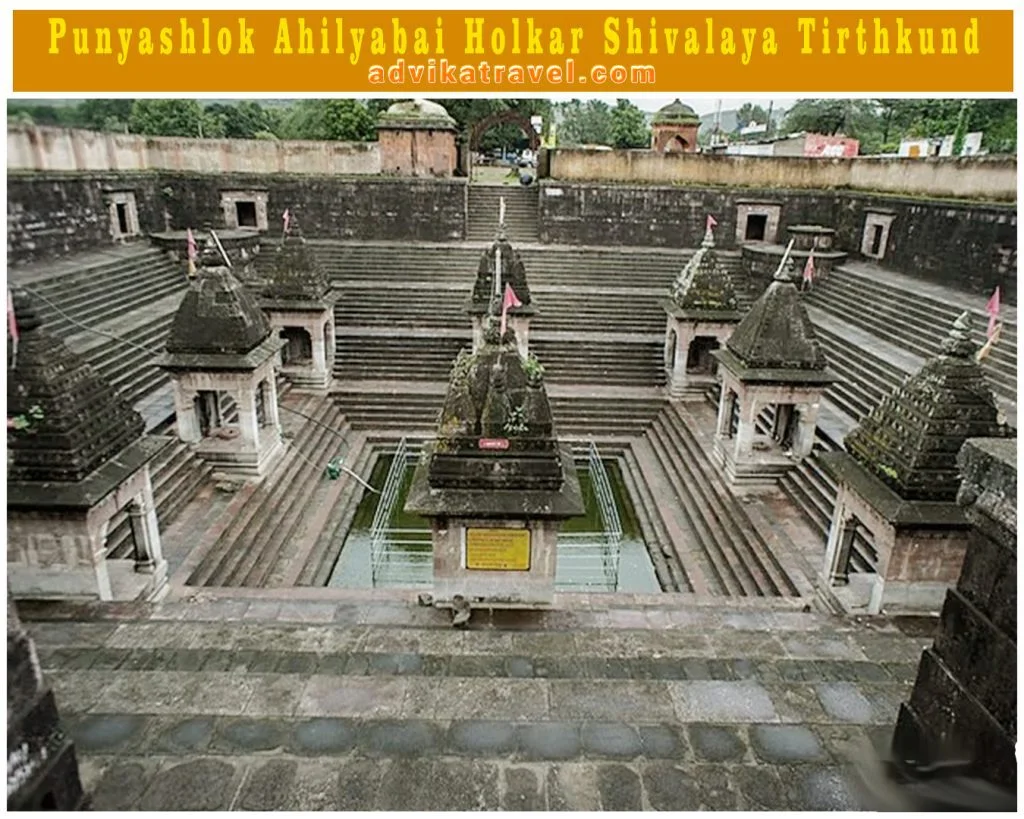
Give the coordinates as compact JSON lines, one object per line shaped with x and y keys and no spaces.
{"x":55,"y":214}
{"x":984,"y":178}
{"x":964,"y":702}
{"x":65,"y":149}
{"x":970,"y":246}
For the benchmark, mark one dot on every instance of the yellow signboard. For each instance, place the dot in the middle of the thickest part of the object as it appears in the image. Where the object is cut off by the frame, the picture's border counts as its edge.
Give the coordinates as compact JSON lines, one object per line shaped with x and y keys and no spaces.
{"x":498,"y":549}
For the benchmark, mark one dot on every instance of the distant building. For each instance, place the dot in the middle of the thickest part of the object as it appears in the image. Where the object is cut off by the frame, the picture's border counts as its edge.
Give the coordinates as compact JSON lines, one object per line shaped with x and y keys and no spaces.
{"x":802,"y":144}
{"x":674,"y":129}
{"x":924,"y":148}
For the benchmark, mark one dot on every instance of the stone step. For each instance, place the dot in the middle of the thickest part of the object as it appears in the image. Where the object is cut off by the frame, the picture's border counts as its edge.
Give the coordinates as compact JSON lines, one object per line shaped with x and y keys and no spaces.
{"x":672,"y":577}
{"x":102,"y":300}
{"x":252,"y":506}
{"x":730,"y":510}
{"x":296,"y":524}
{"x":925,"y":307}
{"x":319,"y":563}
{"x":725,"y":572}
{"x":889,"y":323}
{"x":356,"y":702}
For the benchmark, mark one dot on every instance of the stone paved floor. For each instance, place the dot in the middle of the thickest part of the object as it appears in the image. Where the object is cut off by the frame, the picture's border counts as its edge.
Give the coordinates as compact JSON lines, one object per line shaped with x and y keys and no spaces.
{"x":249,"y":703}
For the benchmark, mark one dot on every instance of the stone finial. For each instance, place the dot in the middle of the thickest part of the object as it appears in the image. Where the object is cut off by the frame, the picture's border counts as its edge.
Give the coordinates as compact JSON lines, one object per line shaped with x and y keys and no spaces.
{"x":210,"y":256}
{"x":500,"y":264}
{"x":958,"y":343}
{"x":709,"y":238}
{"x":787,"y":271}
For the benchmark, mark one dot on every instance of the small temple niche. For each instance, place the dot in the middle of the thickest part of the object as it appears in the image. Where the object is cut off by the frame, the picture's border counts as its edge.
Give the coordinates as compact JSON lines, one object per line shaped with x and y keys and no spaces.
{"x":77,"y":457}
{"x":702,"y":313}
{"x":773,"y":376}
{"x":221,"y":352}
{"x":496,"y":483}
{"x":898,"y":481}
{"x":298,"y":300}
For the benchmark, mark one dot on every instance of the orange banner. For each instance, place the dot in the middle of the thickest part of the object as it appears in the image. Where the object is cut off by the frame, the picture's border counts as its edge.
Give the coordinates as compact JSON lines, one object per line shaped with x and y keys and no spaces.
{"x":527,"y":52}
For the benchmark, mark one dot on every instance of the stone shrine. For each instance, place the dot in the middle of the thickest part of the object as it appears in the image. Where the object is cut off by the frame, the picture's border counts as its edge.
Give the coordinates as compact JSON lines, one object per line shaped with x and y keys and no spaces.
{"x":674,"y":129}
{"x":222,"y":348}
{"x":297,"y":299}
{"x":702,"y":313}
{"x":501,"y":266}
{"x":964,"y":702}
{"x":417,"y":138}
{"x":42,"y":768}
{"x":76,"y":458}
{"x":496,"y":483}
{"x":898,"y":480}
{"x":773,"y":361}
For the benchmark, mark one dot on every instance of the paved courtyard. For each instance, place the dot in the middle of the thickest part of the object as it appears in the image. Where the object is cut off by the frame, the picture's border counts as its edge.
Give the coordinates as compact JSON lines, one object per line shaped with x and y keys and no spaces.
{"x":264,"y":703}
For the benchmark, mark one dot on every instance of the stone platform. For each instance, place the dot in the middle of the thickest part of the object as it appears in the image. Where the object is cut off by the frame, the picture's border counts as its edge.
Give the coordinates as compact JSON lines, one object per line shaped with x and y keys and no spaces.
{"x":319,"y":699}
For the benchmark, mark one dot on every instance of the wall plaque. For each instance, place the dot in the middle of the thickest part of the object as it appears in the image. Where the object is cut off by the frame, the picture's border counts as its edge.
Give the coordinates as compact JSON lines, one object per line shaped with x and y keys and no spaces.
{"x":498,"y":549}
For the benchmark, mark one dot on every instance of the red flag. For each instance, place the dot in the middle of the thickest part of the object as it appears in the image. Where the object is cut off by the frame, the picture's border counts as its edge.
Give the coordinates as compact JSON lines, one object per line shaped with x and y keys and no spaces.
{"x":712,"y":222}
{"x":992,"y":308}
{"x":193,"y":251}
{"x":510,"y":300}
{"x":809,"y":268}
{"x":287,"y":218}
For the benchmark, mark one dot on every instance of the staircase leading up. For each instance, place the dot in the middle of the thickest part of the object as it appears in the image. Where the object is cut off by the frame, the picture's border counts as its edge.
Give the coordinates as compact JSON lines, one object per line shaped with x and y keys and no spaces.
{"x":521,"y":212}
{"x":914,"y":322}
{"x":268,"y":529}
{"x":115,"y":310}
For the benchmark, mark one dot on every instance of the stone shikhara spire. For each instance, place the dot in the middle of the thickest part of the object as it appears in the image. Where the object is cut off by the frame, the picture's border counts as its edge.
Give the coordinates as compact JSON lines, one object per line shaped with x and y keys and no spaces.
{"x":911,"y":439}
{"x":704,"y":284}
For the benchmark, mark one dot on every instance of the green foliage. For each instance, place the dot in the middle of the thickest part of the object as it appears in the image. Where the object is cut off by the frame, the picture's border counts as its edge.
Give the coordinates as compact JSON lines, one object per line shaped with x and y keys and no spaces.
{"x":515,"y":421}
{"x":167,"y":118}
{"x":104,"y":114}
{"x":629,"y":126}
{"x":338,"y":119}
{"x":27,"y":421}
{"x":585,"y":123}
{"x":242,"y":120}
{"x":749,"y":114}
{"x":533,"y":368}
{"x":889,"y":471}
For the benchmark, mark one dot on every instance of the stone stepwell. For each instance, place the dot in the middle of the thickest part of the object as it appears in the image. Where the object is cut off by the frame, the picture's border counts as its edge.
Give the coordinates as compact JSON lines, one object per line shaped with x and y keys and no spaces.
{"x":284,"y":703}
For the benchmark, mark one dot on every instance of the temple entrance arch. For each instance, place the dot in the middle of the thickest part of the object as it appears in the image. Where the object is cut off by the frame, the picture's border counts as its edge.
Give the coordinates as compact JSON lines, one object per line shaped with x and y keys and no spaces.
{"x":510,"y":116}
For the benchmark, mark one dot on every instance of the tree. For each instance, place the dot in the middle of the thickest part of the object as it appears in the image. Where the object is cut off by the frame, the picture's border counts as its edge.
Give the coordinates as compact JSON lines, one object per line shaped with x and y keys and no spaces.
{"x":103,"y":115}
{"x":167,"y":118}
{"x":243,"y":120}
{"x":588,"y":123}
{"x":338,"y":119}
{"x":748,"y":114}
{"x":629,"y":126}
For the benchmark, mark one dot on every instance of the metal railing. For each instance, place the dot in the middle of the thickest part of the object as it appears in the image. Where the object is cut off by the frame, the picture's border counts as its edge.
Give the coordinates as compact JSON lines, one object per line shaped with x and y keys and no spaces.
{"x":398,"y":557}
{"x":585,"y":560}
{"x":590,"y":560}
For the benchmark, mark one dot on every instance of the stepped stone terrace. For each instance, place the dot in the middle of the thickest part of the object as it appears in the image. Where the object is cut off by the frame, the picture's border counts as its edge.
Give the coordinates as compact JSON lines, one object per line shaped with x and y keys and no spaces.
{"x":722,"y":671}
